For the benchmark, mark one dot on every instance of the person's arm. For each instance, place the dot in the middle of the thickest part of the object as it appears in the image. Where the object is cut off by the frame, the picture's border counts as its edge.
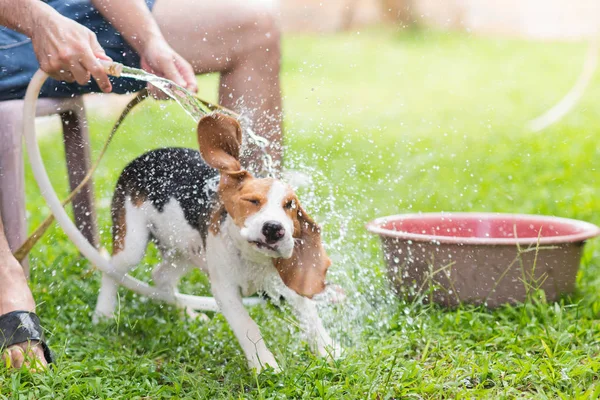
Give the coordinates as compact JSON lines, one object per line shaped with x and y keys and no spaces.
{"x":23,"y":15}
{"x":135,"y":22}
{"x":65,"y":49}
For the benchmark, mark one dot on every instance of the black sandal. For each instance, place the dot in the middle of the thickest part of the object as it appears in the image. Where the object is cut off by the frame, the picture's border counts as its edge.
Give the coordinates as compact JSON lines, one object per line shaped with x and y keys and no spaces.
{"x":22,"y":326}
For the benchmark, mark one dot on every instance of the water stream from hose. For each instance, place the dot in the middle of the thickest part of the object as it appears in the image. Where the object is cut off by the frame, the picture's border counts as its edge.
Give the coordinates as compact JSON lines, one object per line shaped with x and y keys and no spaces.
{"x":197,"y":109}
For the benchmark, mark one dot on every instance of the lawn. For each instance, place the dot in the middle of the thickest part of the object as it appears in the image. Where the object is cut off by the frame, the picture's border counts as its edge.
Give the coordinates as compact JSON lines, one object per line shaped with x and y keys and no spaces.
{"x":386,"y":122}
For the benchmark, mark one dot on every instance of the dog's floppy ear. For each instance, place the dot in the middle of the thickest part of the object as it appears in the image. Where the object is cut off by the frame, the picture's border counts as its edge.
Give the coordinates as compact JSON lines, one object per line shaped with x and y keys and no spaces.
{"x":304,"y":272}
{"x":220,"y":139}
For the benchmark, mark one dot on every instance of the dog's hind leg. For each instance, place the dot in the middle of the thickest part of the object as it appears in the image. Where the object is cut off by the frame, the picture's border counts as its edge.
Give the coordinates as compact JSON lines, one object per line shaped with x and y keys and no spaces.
{"x":169,"y":272}
{"x":130,"y":239}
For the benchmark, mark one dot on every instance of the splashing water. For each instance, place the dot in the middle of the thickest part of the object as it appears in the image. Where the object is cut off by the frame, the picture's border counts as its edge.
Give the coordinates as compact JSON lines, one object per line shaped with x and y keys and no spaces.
{"x":185,"y":99}
{"x":197,"y":109}
{"x":373,"y":306}
{"x":369,"y":306}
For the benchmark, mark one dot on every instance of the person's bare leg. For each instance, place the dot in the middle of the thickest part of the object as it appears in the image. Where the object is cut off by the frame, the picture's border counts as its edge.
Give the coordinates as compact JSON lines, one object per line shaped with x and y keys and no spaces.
{"x":15,"y":295}
{"x":241,"y":41}
{"x":12,"y":175}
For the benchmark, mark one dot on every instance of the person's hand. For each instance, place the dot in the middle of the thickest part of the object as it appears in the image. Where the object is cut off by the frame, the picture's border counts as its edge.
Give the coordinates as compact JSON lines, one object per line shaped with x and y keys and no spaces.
{"x":160,"y":59}
{"x":69,"y":51}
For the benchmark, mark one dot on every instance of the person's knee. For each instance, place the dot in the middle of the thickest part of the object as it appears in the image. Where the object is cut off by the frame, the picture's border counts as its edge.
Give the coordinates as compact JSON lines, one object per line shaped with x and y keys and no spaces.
{"x":10,"y":269}
{"x":268,"y":25}
{"x":262,"y":29}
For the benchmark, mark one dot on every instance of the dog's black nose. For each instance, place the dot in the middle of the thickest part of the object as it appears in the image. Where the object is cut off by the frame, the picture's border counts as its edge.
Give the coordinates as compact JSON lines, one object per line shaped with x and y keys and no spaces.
{"x":273,"y":231}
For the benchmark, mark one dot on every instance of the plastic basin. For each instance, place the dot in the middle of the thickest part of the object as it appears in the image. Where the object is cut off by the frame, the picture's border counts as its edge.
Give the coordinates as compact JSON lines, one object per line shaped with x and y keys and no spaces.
{"x":481,"y":258}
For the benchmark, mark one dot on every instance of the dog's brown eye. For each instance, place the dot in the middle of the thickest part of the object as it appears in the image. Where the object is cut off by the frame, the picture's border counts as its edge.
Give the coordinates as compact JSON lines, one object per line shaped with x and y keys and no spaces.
{"x":289,"y":205}
{"x":253,"y":201}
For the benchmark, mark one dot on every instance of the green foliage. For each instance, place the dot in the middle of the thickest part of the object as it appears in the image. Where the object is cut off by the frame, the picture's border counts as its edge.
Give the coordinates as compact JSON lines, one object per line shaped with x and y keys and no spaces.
{"x":389,"y":122}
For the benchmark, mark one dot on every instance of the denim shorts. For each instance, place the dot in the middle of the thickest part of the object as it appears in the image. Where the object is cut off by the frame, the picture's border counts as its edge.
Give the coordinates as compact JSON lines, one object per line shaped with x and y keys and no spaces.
{"x":18,"y":62}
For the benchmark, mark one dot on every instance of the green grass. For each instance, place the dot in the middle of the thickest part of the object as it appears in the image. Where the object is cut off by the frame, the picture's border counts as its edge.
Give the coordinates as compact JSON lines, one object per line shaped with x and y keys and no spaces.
{"x":387,"y":122}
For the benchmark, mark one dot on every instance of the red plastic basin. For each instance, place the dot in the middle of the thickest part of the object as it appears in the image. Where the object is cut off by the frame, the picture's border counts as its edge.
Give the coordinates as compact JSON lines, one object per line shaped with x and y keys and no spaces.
{"x":490,"y":258}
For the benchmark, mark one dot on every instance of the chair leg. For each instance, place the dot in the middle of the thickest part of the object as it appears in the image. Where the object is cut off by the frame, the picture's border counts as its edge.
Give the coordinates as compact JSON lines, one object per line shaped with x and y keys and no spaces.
{"x":12,"y":179}
{"x":77,"y":150}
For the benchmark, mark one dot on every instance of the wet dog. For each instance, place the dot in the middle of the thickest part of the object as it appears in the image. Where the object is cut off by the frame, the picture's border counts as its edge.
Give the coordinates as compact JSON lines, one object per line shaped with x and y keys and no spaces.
{"x":248,"y":235}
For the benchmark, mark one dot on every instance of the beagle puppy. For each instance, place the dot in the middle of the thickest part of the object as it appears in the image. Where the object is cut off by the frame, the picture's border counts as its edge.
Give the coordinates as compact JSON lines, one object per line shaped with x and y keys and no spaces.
{"x":248,"y":235}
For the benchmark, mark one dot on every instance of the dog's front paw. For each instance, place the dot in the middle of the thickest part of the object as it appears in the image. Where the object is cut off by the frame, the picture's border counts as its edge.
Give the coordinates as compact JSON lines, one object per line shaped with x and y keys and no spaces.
{"x":259,"y":362}
{"x":329,"y":349}
{"x":101,"y":315}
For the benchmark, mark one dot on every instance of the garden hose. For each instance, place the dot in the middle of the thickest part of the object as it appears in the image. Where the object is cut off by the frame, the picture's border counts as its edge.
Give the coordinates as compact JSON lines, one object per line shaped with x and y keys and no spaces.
{"x":115,"y":69}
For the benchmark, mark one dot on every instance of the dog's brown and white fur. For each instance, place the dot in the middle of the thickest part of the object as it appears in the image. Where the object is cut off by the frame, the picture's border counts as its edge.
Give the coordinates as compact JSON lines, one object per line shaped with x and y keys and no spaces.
{"x":248,"y":235}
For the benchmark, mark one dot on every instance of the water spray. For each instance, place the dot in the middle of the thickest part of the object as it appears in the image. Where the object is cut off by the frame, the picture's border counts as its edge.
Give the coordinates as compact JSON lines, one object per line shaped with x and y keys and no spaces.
{"x":193,"y":106}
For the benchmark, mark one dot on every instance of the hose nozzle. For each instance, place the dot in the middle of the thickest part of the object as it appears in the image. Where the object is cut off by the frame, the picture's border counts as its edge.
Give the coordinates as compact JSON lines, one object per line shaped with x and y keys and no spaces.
{"x":112,"y":68}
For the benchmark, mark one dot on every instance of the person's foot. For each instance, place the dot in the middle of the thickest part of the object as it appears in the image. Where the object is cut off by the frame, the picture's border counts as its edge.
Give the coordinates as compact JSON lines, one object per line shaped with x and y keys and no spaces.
{"x":16,"y":295}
